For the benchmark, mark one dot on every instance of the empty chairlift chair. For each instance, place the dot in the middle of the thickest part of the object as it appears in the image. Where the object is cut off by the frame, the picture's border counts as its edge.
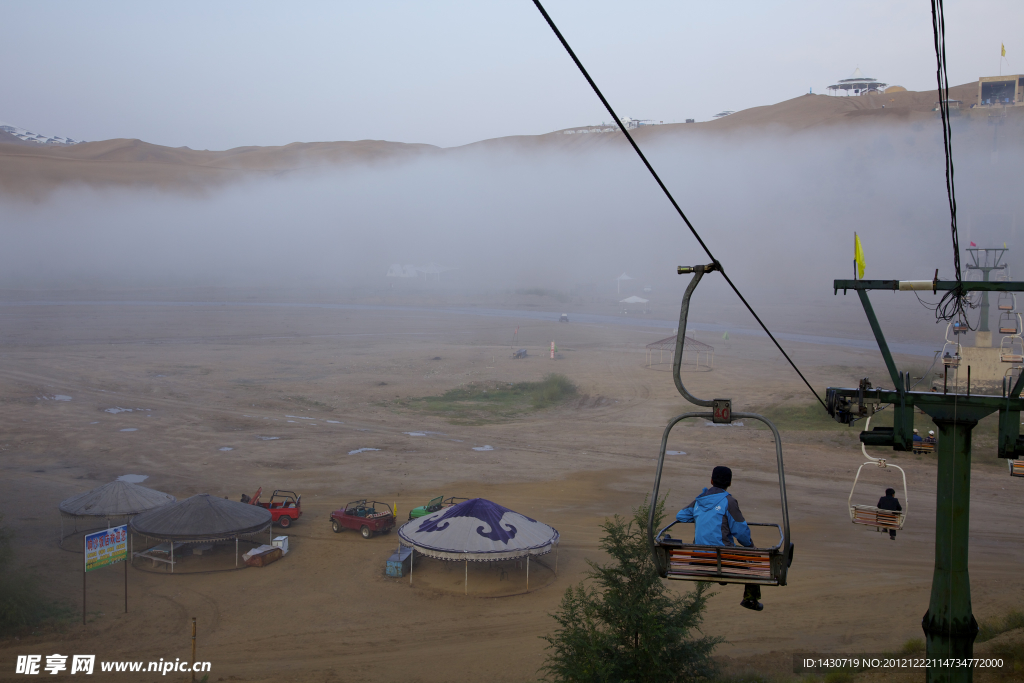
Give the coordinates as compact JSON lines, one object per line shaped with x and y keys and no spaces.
{"x":678,"y":559}
{"x":1011,"y":349}
{"x":1009,"y":323}
{"x":1006,"y":301}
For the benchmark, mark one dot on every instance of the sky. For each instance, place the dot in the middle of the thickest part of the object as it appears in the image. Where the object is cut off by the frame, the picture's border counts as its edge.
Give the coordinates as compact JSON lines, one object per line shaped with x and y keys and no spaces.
{"x":228,"y":74}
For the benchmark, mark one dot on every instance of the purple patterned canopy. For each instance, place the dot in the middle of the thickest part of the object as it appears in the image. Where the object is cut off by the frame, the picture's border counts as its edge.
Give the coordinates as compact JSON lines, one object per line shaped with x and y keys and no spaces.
{"x":478,"y":530}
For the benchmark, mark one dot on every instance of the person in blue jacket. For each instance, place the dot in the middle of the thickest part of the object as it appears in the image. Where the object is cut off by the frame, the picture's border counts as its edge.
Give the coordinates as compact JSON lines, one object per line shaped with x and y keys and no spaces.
{"x":717,"y":520}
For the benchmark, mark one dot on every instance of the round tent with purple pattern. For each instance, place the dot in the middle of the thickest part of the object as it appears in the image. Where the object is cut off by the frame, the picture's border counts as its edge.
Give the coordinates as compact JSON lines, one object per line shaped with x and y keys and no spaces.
{"x":478,"y":530}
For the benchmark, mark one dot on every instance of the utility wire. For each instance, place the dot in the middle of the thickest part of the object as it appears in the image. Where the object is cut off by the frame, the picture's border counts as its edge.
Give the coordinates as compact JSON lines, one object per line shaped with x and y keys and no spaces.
{"x":952,"y":303}
{"x":668,"y":194}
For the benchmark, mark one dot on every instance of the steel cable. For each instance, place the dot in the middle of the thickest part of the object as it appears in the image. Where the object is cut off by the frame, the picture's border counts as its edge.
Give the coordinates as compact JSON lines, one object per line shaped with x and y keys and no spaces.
{"x":671,"y":199}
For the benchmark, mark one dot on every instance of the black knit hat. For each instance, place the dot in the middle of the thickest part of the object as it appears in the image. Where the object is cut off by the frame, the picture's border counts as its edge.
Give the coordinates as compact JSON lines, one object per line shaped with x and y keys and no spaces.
{"x":721,"y":477}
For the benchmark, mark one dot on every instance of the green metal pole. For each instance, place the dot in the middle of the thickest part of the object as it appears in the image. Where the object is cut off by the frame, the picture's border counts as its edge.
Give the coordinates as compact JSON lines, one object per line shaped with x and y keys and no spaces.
{"x":949,"y":625}
{"x":984,"y":303}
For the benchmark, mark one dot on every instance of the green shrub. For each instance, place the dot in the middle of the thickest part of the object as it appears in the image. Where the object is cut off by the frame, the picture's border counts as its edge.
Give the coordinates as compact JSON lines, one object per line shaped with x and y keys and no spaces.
{"x":21,"y":604}
{"x":626,"y":625}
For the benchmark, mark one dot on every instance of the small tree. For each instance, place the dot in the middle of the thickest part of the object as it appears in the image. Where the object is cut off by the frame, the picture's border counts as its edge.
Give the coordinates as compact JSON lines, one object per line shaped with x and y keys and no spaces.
{"x":627,"y":626}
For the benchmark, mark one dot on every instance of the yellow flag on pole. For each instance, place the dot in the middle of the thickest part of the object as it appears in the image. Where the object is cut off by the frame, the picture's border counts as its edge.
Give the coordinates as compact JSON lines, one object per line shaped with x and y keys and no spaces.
{"x":858,"y":256}
{"x":1003,"y":49}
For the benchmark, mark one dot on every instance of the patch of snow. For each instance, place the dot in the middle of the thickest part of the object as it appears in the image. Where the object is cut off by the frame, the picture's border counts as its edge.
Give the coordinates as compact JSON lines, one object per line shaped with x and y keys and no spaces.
{"x":133,"y":478}
{"x":268,"y":438}
{"x":115,"y":411}
{"x":61,"y":397}
{"x":415,"y":433}
{"x":299,"y":417}
{"x":716,"y":424}
{"x":362,"y":450}
{"x":130,"y":429}
{"x":335,"y":422}
{"x":675,"y":452}
{"x":225,"y":448}
{"x":482,"y":448}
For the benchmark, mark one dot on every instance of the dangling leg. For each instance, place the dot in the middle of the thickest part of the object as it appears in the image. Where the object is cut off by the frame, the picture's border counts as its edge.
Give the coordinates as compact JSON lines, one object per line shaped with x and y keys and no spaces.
{"x":751,"y":597}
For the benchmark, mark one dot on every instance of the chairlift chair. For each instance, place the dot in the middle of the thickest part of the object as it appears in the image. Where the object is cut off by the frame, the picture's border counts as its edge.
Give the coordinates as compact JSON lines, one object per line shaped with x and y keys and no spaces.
{"x":1006,"y":301}
{"x":870,"y":515}
{"x":678,"y":560}
{"x":1009,"y":323}
{"x":951,"y":349}
{"x":1011,"y":349}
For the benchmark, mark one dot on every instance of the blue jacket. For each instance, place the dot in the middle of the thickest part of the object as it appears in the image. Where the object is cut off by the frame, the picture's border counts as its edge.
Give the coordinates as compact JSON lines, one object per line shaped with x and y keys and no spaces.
{"x":717,"y":519}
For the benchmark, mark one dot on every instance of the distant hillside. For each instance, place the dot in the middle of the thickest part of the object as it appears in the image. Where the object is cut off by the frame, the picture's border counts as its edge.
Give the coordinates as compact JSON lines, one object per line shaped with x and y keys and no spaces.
{"x":33,"y":170}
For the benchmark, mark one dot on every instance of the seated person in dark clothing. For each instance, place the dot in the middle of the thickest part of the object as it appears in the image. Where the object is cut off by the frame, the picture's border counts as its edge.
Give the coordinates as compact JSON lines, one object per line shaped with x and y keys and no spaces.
{"x":717,"y":521}
{"x":889,"y":502}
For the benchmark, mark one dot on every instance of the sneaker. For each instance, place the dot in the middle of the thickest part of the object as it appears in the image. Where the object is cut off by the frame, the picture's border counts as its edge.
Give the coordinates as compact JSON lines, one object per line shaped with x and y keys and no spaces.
{"x":752,"y":604}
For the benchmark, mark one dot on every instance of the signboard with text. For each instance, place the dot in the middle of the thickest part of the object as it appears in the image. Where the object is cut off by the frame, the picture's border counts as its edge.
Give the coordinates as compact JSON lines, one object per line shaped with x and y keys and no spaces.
{"x":106,"y":547}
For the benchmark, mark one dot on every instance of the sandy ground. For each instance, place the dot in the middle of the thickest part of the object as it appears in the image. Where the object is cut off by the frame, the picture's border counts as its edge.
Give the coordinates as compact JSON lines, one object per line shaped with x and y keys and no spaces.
{"x":200,"y":379}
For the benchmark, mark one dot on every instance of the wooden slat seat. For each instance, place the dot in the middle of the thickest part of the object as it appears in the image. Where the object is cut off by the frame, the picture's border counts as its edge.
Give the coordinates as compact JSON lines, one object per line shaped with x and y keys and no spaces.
{"x":1007,"y":330}
{"x":869,"y":515}
{"x":1017,"y":468}
{"x":1011,"y":357}
{"x":924,"y":447}
{"x":745,"y":565}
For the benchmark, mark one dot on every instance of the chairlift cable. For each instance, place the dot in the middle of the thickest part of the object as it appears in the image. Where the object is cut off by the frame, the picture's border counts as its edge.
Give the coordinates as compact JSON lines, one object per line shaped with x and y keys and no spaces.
{"x":671,"y":199}
{"x":951,"y":305}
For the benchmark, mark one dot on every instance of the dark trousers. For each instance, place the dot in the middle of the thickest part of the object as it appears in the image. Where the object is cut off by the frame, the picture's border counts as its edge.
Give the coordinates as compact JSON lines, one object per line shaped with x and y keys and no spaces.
{"x":752,"y":591}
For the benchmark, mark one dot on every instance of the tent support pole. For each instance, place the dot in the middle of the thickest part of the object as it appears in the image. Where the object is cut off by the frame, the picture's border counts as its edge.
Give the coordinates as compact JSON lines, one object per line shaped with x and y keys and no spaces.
{"x":172,"y":556}
{"x":236,"y":552}
{"x":556,"y":559}
{"x":412,"y":561}
{"x":527,"y":572}
{"x":467,"y":578}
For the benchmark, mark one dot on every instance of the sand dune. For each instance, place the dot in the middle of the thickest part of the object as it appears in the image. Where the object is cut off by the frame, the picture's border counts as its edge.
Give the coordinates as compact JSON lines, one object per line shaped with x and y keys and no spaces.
{"x":33,"y":171}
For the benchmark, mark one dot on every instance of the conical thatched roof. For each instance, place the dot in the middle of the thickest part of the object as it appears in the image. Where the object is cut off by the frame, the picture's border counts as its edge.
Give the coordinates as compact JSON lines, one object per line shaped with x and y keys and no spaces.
{"x":202,"y":517}
{"x":116,"y":499}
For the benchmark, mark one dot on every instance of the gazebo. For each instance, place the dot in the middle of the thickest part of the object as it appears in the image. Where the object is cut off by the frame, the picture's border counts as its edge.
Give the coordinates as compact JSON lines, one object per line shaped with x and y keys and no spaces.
{"x":690,"y":345}
{"x":116,"y":501}
{"x":858,"y":84}
{"x":195,"y":524}
{"x":632,"y":300}
{"x":478,"y":530}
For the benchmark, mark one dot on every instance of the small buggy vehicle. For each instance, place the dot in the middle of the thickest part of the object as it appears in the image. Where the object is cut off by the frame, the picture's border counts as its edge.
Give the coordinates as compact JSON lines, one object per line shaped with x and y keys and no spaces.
{"x":365,"y":516}
{"x":285,"y":506}
{"x":434,"y":505}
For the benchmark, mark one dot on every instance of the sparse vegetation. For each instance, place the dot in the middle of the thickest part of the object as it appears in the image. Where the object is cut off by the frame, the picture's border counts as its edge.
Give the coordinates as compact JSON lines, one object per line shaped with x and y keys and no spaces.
{"x":1012,"y":654}
{"x":798,"y":416}
{"x":482,"y":402}
{"x":21,"y":604}
{"x":626,"y":625}
{"x":911,"y":646}
{"x":990,"y":628}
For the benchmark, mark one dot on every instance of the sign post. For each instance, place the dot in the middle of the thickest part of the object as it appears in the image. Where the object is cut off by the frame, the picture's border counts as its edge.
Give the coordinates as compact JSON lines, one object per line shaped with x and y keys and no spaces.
{"x":102,"y":549}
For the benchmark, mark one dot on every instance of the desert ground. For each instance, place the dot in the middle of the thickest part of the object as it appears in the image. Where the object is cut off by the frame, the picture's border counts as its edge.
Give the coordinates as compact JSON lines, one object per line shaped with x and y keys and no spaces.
{"x":206,"y":376}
